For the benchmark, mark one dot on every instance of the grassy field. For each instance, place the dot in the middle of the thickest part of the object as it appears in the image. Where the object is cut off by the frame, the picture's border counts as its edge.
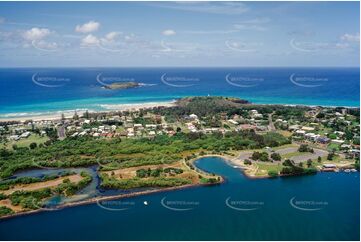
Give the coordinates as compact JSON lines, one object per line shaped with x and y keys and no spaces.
{"x":33,"y":138}
{"x":333,"y":146}
{"x":284,"y":133}
{"x":284,"y":146}
{"x":265,"y":167}
{"x":291,"y":154}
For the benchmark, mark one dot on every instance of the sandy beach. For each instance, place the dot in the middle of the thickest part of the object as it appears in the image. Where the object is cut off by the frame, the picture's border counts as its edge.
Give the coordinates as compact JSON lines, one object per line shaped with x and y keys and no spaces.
{"x":70,"y":113}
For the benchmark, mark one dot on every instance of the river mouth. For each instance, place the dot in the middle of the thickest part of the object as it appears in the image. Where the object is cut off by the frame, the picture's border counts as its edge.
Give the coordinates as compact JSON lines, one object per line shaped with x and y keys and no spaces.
{"x":90,"y":191}
{"x":239,"y":209}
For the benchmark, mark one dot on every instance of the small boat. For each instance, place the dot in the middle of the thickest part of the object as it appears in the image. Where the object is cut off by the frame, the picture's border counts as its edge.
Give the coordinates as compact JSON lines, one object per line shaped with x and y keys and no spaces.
{"x":347,"y":170}
{"x":353,"y":170}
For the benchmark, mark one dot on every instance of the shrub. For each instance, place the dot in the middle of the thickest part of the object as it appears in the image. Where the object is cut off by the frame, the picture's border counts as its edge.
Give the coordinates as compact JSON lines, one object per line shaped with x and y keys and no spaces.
{"x":272,"y":173}
{"x":5,"y":211}
{"x":33,"y":145}
{"x":330,"y":156}
{"x":247,"y":162}
{"x":288,"y":162}
{"x":276,"y":156}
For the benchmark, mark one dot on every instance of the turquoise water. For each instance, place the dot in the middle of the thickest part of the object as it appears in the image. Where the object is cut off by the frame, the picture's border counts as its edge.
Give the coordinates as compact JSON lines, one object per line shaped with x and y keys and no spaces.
{"x":261,"y":211}
{"x":39,"y":91}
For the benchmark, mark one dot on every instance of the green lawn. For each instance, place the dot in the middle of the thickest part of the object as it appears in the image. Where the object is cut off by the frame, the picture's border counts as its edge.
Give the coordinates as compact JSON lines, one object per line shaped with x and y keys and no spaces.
{"x":291,"y":154}
{"x":26,"y":142}
{"x":265,"y":167}
{"x":333,"y":146}
{"x":284,"y":146}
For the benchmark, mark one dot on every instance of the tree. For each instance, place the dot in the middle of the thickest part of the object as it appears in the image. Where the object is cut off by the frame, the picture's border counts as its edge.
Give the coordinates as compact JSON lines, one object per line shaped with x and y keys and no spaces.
{"x":332,"y":136}
{"x":86,"y":114}
{"x":320,"y":115}
{"x":273,"y":173}
{"x":264,"y":156}
{"x":276,"y":156}
{"x":303,"y":148}
{"x":33,"y":145}
{"x":288,"y":162}
{"x":330,"y":156}
{"x":319,"y":159}
{"x":247,"y":162}
{"x":76,"y":116}
{"x":309,"y":163}
{"x":179,"y":129}
{"x":256,"y":155}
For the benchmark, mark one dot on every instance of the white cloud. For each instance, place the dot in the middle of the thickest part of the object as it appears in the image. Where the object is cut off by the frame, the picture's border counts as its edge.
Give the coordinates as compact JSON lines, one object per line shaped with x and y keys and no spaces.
{"x":351,"y":37}
{"x":36,"y":34}
{"x":112,"y":36}
{"x":87,"y":27}
{"x":168,"y":32}
{"x":90,"y":40}
{"x":342,"y":45}
{"x":36,"y":38}
{"x":130,"y":37}
{"x":45,"y":46}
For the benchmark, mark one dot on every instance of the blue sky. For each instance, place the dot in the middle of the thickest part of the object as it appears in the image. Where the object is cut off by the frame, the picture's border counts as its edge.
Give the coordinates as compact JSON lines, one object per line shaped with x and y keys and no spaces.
{"x":122,"y":34}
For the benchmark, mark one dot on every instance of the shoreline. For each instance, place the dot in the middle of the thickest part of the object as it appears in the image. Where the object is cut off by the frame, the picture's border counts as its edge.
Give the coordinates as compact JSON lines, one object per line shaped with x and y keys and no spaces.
{"x":54,"y":115}
{"x":227,"y":159}
{"x":107,"y":198}
{"x":119,"y":196}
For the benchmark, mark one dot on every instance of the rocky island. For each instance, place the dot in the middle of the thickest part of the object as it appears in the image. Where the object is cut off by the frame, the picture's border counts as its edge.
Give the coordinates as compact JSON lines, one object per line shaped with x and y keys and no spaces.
{"x":121,"y":85}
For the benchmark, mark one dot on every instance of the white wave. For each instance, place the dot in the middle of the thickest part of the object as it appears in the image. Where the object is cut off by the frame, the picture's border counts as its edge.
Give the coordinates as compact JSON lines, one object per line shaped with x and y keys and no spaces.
{"x":134,"y":105}
{"x":45,"y":113}
{"x":147,"y":84}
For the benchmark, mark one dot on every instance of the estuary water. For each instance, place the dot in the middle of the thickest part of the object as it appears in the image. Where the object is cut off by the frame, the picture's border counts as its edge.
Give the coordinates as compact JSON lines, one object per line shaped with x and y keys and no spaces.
{"x":316,"y":207}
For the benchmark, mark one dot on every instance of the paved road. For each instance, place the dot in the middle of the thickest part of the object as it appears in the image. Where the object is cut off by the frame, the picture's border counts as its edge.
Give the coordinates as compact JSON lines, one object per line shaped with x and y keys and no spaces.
{"x":271,"y":126}
{"x":306,"y":156}
{"x":61,"y":133}
{"x":245,"y":155}
{"x":297,"y":159}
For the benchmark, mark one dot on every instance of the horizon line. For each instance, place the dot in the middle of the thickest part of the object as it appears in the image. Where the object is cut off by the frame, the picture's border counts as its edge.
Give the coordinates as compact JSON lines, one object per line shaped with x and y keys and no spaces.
{"x":14,"y":67}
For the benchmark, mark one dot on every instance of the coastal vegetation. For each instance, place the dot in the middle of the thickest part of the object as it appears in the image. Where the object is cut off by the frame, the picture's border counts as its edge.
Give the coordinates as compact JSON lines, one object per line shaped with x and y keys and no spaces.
{"x":32,"y":199}
{"x":131,"y":152}
{"x":156,"y":147}
{"x":113,"y":183}
{"x":5,"y":211}
{"x":10,"y":183}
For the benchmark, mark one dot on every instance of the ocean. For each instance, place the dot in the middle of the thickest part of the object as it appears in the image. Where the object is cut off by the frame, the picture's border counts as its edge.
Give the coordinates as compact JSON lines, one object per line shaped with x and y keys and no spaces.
{"x":41,"y":91}
{"x":325,"y":206}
